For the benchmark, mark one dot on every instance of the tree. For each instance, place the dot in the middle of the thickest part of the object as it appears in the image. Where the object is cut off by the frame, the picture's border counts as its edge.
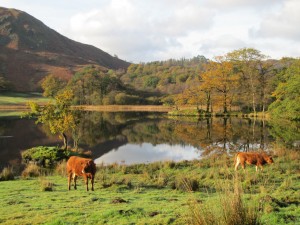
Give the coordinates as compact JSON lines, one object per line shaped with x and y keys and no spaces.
{"x":91,"y":85}
{"x":4,"y":84}
{"x":287,"y":94}
{"x":58,"y":116}
{"x":246,"y":61}
{"x":220,"y":76}
{"x":52,"y":85}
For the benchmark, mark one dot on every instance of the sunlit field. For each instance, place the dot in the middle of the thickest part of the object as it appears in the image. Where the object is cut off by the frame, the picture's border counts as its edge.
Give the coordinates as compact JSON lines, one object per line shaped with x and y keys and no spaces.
{"x":188,"y":192}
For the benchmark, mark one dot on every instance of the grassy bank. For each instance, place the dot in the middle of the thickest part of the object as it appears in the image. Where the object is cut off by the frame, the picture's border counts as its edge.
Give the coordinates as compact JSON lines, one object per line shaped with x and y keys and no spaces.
{"x":11,"y":101}
{"x":188,"y":192}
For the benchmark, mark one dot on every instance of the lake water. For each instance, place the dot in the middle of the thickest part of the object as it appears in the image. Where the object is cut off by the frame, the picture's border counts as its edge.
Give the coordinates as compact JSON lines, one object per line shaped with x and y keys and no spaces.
{"x":146,"y":137}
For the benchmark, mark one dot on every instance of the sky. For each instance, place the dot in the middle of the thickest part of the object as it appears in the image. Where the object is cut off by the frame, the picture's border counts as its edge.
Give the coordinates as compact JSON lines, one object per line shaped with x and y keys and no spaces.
{"x":151,"y":30}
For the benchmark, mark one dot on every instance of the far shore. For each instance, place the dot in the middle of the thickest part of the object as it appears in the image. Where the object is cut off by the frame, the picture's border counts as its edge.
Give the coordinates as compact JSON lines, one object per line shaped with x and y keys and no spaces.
{"x":172,"y":110}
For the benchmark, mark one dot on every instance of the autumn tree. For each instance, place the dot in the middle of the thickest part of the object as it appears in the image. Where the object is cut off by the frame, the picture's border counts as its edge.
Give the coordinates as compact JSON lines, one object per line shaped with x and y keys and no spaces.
{"x":246,"y":61}
{"x":52,"y":85}
{"x":219,"y":76}
{"x":57,"y":116}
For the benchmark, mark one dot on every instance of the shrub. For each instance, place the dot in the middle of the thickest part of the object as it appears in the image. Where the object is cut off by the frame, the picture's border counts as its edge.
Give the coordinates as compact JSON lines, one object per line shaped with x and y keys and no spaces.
{"x":48,"y":156}
{"x":44,"y":155}
{"x":31,"y":170}
{"x":7,"y":174}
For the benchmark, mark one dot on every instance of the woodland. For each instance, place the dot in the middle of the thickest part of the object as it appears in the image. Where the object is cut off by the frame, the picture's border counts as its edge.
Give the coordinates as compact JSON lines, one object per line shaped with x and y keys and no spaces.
{"x":243,"y":80}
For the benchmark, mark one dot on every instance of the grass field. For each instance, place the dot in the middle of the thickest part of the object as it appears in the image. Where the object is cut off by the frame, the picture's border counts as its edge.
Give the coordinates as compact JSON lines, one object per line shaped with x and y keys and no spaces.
{"x":15,"y":99}
{"x":188,"y":192}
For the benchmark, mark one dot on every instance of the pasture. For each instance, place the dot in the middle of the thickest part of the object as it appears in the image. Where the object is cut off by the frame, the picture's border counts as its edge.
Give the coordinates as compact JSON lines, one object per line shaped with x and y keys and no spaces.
{"x":13,"y":100}
{"x":187,"y":192}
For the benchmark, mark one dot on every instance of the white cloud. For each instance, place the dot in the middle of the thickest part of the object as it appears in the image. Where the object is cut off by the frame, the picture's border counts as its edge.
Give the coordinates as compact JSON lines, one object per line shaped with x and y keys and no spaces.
{"x":283,"y":24}
{"x":138,"y":30}
{"x":146,"y":152}
{"x":221,"y":45}
{"x":235,"y":4}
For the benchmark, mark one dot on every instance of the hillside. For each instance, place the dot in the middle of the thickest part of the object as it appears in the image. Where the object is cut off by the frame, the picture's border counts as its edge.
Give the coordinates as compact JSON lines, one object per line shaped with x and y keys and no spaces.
{"x":29,"y":50}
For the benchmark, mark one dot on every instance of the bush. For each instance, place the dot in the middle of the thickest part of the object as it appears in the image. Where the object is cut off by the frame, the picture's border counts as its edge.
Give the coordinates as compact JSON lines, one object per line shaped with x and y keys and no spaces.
{"x":7,"y":174}
{"x":31,"y":170}
{"x":43,"y":155}
{"x":48,"y":156}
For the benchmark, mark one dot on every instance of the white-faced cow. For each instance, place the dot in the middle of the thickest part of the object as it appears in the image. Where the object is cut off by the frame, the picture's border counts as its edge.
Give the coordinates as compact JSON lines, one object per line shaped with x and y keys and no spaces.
{"x":77,"y":166}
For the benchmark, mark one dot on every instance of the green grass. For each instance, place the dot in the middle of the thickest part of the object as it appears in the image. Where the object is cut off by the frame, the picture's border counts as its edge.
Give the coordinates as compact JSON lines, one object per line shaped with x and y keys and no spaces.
{"x":10,"y":98}
{"x":159,"y":193}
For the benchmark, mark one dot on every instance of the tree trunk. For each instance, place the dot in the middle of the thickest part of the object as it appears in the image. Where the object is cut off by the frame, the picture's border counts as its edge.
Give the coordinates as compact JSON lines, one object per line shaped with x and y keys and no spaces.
{"x":225,"y":103}
{"x":65,"y":141}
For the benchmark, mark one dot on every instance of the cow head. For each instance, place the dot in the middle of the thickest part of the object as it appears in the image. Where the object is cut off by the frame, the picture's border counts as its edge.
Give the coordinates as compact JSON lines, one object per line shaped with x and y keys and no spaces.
{"x":269,"y":159}
{"x":87,"y":166}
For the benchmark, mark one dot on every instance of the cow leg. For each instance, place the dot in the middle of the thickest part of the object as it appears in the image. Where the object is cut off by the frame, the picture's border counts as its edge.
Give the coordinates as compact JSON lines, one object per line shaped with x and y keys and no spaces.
{"x":243,"y":166}
{"x":237,"y":164}
{"x":92,"y":182}
{"x":75,"y":179}
{"x":86,"y":179}
{"x":69,"y":181}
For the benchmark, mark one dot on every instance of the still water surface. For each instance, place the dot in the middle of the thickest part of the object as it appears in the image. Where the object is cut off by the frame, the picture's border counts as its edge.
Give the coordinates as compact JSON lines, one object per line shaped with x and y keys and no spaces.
{"x":146,"y":137}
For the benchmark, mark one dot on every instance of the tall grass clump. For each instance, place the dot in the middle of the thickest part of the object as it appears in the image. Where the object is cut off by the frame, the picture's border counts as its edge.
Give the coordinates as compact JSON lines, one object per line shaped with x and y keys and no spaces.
{"x":46,"y":185}
{"x":229,"y":208}
{"x":31,"y":170}
{"x":7,"y":174}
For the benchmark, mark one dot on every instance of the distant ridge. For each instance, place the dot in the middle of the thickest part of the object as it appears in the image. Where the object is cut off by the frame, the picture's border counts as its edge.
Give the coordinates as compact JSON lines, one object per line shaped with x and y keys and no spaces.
{"x":29,"y":50}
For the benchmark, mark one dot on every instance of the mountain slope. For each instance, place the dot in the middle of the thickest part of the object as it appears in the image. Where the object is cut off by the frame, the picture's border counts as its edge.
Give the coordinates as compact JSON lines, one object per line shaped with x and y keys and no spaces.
{"x":29,"y":50}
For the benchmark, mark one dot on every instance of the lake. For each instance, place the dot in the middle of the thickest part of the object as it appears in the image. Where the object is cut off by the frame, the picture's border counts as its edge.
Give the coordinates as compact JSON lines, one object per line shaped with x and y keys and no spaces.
{"x":147,"y":137}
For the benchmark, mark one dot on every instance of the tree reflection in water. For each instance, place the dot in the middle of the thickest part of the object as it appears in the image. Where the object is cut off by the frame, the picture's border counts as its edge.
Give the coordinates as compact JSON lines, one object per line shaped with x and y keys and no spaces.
{"x":102,"y":132}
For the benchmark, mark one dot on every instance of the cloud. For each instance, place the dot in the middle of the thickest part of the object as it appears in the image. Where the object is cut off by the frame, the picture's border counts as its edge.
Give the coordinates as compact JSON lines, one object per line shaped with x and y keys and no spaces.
{"x":282,"y":24}
{"x":221,"y":45}
{"x":146,"y":152}
{"x":242,"y":4}
{"x":138,"y":30}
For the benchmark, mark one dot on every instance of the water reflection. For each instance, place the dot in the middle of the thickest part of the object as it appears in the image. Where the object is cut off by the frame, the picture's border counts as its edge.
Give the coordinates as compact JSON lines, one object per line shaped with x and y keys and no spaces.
{"x":130,"y":136}
{"x":147,"y":152}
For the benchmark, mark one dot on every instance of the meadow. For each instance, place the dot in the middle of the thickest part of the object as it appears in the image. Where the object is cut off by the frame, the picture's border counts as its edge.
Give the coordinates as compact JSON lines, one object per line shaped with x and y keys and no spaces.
{"x":206,"y":191}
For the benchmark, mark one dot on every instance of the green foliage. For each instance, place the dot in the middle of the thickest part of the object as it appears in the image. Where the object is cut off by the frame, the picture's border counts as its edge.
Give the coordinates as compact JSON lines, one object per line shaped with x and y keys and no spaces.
{"x":167,"y":77}
{"x":287,"y":95}
{"x":91,"y":86}
{"x":52,"y":85}
{"x":48,"y":155}
{"x":45,"y":155}
{"x":58,"y":116}
{"x":151,"y":82}
{"x":5,"y":85}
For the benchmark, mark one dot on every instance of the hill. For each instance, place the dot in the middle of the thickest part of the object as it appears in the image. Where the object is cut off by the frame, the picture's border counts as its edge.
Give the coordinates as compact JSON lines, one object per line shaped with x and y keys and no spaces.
{"x":29,"y":50}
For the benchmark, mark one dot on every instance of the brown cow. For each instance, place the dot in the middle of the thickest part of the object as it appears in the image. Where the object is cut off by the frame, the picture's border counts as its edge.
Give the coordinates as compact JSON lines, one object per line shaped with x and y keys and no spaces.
{"x":77,"y":166}
{"x":252,"y":158}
